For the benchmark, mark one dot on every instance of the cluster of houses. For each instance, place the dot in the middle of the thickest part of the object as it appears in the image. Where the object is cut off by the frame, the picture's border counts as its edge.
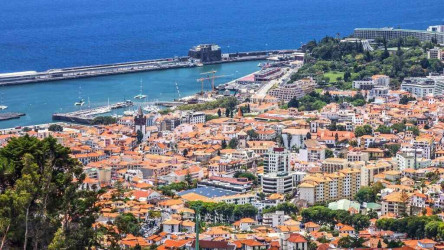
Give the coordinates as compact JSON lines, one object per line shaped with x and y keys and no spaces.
{"x":265,"y":158}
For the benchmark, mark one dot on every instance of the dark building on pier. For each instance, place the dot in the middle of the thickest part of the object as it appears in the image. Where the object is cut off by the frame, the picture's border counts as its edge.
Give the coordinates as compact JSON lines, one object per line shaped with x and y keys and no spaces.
{"x":206,"y":53}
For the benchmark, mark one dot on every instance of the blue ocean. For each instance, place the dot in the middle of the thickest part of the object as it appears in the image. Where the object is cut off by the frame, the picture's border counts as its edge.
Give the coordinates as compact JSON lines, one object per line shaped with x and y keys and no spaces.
{"x":47,"y":34}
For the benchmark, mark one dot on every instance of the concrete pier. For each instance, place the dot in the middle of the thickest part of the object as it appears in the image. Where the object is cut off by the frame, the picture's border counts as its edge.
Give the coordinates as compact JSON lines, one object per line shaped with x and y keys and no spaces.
{"x":10,"y":115}
{"x":130,"y":67}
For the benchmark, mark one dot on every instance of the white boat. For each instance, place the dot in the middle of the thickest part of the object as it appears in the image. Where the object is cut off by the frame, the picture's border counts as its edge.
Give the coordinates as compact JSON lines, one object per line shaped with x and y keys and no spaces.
{"x":140,"y":96}
{"x":129,"y":112}
{"x":79,"y":103}
{"x":151,"y":108}
{"x":3,"y":107}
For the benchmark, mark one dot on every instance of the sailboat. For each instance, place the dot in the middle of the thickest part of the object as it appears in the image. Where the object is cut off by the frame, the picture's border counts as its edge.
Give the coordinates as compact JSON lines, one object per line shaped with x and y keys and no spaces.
{"x":140,"y":96}
{"x":2,"y":107}
{"x":81,"y":101}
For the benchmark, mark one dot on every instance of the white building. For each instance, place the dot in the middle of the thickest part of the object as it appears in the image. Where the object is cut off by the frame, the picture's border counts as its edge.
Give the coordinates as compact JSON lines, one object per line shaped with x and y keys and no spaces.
{"x":193,"y":118}
{"x":435,"y":53}
{"x":294,"y":137}
{"x":420,"y":87}
{"x":274,"y":219}
{"x":277,"y":183}
{"x":276,"y":160}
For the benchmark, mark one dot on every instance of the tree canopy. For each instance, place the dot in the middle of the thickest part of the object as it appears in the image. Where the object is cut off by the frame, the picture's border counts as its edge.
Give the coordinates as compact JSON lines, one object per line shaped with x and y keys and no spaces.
{"x":40,"y":200}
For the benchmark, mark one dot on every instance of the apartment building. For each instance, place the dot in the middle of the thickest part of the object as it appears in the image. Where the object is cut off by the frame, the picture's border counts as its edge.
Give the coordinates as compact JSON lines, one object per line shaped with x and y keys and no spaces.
{"x":276,"y":160}
{"x":331,"y":165}
{"x":368,"y":172}
{"x":313,"y":151}
{"x":297,"y":89}
{"x":343,"y":184}
{"x":277,"y":183}
{"x":418,"y":86}
{"x":435,"y":53}
{"x":274,"y":219}
{"x":357,"y":156}
{"x":426,"y":144}
{"x":396,"y":203}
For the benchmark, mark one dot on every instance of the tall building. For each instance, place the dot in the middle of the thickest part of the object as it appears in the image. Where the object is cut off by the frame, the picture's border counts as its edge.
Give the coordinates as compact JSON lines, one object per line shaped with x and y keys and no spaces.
{"x":343,"y":184}
{"x":391,"y":33}
{"x":277,"y":183}
{"x":140,"y":122}
{"x":276,"y":160}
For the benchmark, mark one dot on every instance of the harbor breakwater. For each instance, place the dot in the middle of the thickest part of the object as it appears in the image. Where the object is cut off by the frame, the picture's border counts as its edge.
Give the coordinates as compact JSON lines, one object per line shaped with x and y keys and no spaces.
{"x":129,"y":67}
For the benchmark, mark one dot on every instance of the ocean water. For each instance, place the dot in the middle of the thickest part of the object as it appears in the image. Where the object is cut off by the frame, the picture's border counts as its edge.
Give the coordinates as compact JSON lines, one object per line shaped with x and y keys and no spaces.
{"x":46,"y":34}
{"x":40,"y":100}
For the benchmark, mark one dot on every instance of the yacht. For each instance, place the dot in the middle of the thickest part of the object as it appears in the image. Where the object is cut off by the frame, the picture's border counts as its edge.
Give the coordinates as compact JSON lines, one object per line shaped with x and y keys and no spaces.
{"x":140,"y":96}
{"x":129,"y":112}
{"x":3,"y":107}
{"x":81,"y":101}
{"x":150,"y":108}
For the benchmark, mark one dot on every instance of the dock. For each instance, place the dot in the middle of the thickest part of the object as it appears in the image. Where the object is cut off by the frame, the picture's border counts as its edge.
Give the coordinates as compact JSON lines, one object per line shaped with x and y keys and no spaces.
{"x":86,"y":116}
{"x":129,"y":67}
{"x":169,"y":104}
{"x":10,"y":115}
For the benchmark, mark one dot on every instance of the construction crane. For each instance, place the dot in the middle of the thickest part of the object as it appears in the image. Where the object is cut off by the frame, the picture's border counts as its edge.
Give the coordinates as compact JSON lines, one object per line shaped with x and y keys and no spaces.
{"x":212,"y":78}
{"x":210,"y":75}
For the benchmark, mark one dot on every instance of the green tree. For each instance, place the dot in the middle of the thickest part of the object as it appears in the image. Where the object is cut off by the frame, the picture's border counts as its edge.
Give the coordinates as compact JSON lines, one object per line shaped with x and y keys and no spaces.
{"x":365,"y":194}
{"x":185,"y":152}
{"x":139,"y":136}
{"x":39,"y":192}
{"x":383,"y":129}
{"x":219,"y":113}
{"x":189,"y":178}
{"x":293,"y":103}
{"x":347,"y":76}
{"x":329,"y":153}
{"x":399,"y":127}
{"x":233,"y":143}
{"x":127,"y":224}
{"x":104,"y":120}
{"x":224,"y":144}
{"x":252,"y":134}
{"x":363,"y":130}
{"x":350,"y":242}
{"x":227,"y":112}
{"x":55,"y":128}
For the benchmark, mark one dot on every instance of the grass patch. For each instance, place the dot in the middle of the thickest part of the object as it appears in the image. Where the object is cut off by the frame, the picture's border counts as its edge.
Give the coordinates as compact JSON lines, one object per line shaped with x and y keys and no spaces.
{"x":333,"y":75}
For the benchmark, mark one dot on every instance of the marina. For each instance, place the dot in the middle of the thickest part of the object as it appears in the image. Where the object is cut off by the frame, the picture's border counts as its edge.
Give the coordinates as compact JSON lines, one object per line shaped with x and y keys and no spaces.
{"x":86,"y":116}
{"x":39,"y":101}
